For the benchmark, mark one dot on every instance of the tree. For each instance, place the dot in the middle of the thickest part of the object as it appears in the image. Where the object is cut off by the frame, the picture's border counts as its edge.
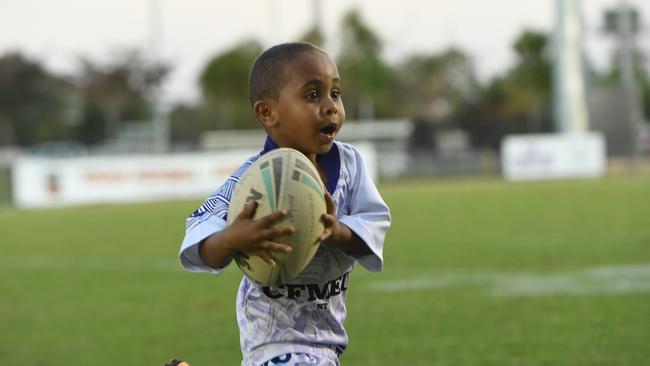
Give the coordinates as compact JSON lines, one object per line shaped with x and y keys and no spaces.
{"x":314,"y":36}
{"x":368,"y":83}
{"x":519,"y":101}
{"x":434,"y":86}
{"x":121,"y":90}
{"x":529,"y":83}
{"x":224,"y":83}
{"x":34,"y":104}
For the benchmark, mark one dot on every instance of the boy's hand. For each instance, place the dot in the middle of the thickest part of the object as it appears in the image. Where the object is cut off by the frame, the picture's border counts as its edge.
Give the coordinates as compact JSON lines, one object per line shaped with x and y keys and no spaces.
{"x":333,"y":227}
{"x":256,"y":236}
{"x":338,"y":234}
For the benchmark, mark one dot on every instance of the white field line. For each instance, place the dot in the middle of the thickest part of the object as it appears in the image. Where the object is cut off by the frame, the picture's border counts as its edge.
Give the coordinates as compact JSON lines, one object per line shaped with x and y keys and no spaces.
{"x":586,"y":281}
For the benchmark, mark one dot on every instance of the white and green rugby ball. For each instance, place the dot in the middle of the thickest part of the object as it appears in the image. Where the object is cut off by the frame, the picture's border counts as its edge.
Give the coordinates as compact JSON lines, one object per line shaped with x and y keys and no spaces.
{"x":282,"y":179}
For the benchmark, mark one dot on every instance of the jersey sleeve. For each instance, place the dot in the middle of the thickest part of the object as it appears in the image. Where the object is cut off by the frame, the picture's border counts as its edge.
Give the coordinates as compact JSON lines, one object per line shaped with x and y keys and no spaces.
{"x":207,"y":220}
{"x":368,"y":215}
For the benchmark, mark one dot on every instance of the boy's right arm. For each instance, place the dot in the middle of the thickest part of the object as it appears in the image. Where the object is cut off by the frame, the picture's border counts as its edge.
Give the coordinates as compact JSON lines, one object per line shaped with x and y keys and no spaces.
{"x":245,"y":234}
{"x":210,"y":243}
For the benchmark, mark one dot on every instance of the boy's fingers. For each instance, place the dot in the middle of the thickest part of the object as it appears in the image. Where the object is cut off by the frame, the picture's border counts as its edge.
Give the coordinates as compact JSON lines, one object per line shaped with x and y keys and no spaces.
{"x":276,"y":247}
{"x":266,"y":257}
{"x":274,"y":232}
{"x":329,"y":203}
{"x":326,"y":234}
{"x":268,"y":246}
{"x":327,"y":219}
{"x":268,"y":219}
{"x":281,"y":230}
{"x":248,"y":211}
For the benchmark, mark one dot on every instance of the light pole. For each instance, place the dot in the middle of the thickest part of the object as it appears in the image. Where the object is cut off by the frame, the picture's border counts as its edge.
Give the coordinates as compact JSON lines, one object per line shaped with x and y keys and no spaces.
{"x":570,"y":106}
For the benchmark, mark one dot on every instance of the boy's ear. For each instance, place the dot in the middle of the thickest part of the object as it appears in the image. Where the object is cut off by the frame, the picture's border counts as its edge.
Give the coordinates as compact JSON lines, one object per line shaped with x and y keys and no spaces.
{"x":265,"y":112}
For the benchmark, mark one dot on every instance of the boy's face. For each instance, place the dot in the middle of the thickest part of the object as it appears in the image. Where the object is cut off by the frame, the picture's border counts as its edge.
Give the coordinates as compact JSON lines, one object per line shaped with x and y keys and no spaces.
{"x":309,"y":111}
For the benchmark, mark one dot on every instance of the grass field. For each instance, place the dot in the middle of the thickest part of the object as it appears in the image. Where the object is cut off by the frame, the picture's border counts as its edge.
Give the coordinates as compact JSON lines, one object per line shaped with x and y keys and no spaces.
{"x":477,"y":272}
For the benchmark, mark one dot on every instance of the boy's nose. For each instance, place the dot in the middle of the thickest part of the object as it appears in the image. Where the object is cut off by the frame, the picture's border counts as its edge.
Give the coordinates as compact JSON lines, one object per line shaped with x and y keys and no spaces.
{"x":329,"y":107}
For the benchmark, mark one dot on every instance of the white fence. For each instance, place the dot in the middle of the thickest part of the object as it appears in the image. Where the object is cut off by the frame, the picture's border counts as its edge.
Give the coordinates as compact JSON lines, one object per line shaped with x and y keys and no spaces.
{"x":47,"y":182}
{"x":52,"y":182}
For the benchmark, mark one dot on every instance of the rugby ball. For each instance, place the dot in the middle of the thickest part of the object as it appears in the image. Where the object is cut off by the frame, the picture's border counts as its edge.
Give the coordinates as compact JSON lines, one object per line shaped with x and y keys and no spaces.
{"x":282,"y":179}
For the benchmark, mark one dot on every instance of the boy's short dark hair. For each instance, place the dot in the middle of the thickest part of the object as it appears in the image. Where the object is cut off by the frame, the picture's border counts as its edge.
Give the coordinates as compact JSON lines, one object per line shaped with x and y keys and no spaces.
{"x":266,"y":77}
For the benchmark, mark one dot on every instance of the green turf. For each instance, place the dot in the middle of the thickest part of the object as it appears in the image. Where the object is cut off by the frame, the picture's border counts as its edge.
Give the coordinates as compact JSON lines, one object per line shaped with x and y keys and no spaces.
{"x":101,"y":285}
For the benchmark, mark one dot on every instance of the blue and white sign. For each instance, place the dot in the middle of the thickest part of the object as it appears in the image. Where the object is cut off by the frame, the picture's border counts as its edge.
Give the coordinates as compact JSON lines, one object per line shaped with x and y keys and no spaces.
{"x":553,"y":156}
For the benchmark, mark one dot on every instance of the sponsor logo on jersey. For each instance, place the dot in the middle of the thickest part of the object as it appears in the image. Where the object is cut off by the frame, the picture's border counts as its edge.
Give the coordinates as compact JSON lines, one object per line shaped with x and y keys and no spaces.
{"x":309,"y":291}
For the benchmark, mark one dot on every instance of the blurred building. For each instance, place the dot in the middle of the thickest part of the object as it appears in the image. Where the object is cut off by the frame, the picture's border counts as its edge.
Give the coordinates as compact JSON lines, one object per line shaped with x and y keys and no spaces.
{"x":611,"y":116}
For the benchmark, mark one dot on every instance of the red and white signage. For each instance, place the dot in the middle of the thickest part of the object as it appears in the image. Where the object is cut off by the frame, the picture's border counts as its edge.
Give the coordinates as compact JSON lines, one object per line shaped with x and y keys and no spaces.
{"x":43,"y":182}
{"x":52,"y":182}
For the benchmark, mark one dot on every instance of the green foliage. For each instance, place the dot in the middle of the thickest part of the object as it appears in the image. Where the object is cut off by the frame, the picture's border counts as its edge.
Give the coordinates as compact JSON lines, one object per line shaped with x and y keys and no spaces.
{"x":224,"y":83}
{"x":367,"y":79}
{"x":37,"y":106}
{"x":34,"y":104}
{"x":517,"y":102}
{"x":527,"y":86}
{"x":120,"y":90}
{"x":533,"y":66}
{"x":314,"y":36}
{"x":438,"y":86}
{"x":435,"y":86}
{"x":96,"y":283}
{"x":360,"y":42}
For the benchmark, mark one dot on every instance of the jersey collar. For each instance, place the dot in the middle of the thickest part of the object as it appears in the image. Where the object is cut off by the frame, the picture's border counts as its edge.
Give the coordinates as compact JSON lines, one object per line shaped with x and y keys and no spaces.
{"x":330,"y":161}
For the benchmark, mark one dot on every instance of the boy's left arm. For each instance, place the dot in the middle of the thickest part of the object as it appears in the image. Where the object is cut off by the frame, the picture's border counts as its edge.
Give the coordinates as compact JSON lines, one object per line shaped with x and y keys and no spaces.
{"x":361,"y":232}
{"x":339,"y":235}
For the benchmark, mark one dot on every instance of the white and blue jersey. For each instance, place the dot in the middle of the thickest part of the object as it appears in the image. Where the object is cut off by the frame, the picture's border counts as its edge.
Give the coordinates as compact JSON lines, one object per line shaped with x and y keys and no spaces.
{"x":307,"y":314}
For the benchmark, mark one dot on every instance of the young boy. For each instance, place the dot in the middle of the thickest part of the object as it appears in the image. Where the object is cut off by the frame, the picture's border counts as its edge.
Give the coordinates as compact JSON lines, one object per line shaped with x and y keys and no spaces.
{"x":295,"y":92}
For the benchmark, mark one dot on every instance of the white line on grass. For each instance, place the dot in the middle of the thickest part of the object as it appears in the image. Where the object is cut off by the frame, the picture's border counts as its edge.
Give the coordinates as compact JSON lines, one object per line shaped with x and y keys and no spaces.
{"x":586,"y":281}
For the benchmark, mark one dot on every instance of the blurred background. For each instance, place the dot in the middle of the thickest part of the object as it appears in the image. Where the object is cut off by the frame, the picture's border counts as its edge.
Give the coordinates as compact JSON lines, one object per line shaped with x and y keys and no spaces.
{"x":433,"y":87}
{"x":509,"y":138}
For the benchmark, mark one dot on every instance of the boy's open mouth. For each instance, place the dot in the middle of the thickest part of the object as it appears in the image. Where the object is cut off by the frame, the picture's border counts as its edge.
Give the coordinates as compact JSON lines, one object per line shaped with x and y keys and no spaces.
{"x":329,"y":130}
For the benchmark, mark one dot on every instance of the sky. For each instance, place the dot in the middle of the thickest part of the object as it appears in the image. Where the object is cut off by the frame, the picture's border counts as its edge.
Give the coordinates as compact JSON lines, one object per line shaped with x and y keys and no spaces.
{"x":190,"y":32}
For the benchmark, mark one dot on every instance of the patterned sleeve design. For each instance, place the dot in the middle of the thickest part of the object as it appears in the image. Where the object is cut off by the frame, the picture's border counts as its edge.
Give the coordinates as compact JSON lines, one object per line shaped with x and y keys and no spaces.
{"x":208,"y":219}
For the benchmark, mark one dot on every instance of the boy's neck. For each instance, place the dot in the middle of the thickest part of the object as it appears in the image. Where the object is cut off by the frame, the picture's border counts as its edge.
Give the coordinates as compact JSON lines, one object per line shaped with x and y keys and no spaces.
{"x":328,"y":165}
{"x":269,"y":145}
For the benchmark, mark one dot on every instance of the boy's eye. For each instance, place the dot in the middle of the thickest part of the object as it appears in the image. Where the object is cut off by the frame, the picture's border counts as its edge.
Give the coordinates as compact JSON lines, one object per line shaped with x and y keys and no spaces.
{"x":336,"y":94}
{"x":312,"y":94}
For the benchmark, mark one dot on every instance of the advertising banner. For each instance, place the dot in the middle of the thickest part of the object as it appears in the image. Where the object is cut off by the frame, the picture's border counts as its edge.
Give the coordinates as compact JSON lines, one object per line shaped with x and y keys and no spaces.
{"x":553,"y":156}
{"x":53,"y":182}
{"x":43,"y":182}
